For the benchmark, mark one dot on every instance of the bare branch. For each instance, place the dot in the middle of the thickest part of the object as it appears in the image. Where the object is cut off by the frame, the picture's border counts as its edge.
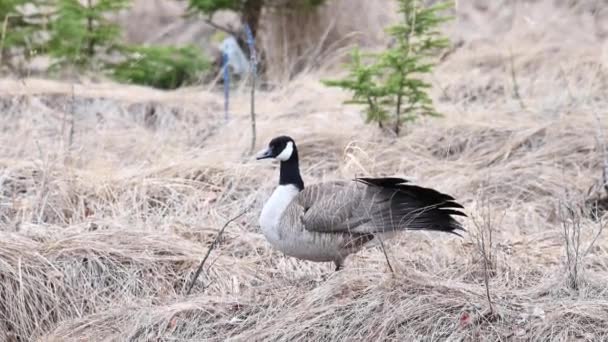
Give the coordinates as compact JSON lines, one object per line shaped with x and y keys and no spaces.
{"x":485,"y":245}
{"x":215,"y":241}
{"x":253,"y":70}
{"x":601,"y":226}
{"x":72,"y":118}
{"x":601,"y":143}
{"x":3,"y":36}
{"x":388,"y":262}
{"x":514,"y":80}
{"x":209,"y":21}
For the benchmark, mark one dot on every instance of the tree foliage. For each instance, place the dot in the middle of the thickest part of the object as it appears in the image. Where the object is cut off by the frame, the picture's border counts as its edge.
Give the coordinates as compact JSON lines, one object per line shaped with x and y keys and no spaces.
{"x":81,"y":32}
{"x":20,"y":31}
{"x":212,"y":6}
{"x":390,"y":83}
{"x":14,"y":29}
{"x":161,"y":67}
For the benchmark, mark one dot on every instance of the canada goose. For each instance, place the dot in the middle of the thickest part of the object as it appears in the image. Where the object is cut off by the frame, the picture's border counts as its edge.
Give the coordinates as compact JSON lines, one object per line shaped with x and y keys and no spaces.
{"x":328,"y":221}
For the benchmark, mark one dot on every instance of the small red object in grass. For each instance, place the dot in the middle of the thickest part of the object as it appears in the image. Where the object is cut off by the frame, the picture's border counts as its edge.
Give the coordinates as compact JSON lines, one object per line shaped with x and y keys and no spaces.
{"x":465,"y":319}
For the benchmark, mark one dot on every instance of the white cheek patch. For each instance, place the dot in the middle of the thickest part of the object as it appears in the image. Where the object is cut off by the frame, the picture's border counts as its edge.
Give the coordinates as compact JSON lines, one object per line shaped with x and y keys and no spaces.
{"x":286,"y":153}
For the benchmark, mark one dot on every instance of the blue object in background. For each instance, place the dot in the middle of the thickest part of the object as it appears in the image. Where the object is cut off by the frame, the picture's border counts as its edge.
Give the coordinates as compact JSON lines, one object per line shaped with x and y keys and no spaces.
{"x":238,"y":61}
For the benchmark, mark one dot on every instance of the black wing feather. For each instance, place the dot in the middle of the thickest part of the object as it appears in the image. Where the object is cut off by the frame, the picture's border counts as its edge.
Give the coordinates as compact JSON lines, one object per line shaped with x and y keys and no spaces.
{"x":405,"y":206}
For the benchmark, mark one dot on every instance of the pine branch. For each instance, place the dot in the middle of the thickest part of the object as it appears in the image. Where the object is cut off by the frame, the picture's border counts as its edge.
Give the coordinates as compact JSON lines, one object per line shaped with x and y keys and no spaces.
{"x":392,"y":78}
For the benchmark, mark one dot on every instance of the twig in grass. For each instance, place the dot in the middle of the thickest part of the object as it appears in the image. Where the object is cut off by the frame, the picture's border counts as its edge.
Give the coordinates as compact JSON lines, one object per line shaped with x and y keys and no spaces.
{"x":72,"y":118}
{"x":571,"y":226}
{"x":597,"y":195}
{"x":601,"y":226}
{"x":514,"y":80}
{"x":562,"y":73}
{"x":571,"y":214}
{"x":43,"y":193}
{"x":601,"y":143}
{"x":215,"y":241}
{"x":385,"y":255}
{"x":484,"y":242}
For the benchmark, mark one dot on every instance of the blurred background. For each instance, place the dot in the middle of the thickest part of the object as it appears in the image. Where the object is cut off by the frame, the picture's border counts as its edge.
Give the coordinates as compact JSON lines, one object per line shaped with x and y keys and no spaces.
{"x":293,"y":36}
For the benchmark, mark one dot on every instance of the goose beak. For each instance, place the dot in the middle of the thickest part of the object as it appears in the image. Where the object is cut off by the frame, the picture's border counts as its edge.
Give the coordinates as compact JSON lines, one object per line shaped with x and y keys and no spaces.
{"x":264,"y":154}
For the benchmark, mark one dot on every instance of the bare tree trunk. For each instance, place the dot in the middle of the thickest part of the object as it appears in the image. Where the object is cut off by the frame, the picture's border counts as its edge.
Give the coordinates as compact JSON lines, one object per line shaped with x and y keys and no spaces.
{"x":252,"y":11}
{"x":253,"y":128}
{"x":91,"y":42}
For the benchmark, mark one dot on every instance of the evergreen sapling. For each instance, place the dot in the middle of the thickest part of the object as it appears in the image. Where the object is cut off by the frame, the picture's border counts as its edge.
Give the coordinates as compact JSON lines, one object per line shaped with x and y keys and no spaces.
{"x":390,"y":84}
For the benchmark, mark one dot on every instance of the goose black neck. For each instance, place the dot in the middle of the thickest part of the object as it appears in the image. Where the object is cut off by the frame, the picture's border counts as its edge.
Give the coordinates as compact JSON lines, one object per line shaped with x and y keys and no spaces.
{"x":290,"y":172}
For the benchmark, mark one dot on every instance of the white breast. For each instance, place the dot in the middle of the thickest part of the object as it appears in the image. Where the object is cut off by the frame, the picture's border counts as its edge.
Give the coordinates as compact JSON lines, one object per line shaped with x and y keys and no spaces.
{"x":274,"y":208}
{"x":302,"y":244}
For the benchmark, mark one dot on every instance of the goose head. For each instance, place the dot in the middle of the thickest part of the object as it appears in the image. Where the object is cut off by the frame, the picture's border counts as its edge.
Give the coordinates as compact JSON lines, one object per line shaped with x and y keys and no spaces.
{"x":281,"y":148}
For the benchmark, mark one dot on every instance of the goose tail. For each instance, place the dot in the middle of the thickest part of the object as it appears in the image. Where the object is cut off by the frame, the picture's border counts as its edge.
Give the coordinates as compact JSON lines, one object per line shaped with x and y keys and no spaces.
{"x":398,"y":205}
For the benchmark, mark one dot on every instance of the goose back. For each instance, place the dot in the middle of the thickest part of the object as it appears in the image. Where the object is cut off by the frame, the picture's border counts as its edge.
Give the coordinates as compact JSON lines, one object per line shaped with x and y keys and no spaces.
{"x":371,"y":205}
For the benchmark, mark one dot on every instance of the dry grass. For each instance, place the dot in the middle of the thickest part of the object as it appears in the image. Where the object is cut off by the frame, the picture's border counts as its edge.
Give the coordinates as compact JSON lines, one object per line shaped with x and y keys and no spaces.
{"x":99,"y":237}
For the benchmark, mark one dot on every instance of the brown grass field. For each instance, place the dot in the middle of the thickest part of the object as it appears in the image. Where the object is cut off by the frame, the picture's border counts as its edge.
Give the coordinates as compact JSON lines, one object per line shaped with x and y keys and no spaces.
{"x":110,"y":196}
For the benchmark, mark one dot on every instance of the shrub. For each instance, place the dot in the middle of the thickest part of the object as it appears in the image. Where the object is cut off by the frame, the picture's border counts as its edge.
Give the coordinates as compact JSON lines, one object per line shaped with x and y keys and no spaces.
{"x":21,"y":33}
{"x":83,"y":36}
{"x":161,"y":66}
{"x":390,"y":83}
{"x":81,"y":33}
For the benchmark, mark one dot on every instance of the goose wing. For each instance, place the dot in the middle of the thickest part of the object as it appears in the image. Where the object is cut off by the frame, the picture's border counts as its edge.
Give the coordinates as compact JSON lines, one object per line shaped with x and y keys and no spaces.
{"x":372,"y":205}
{"x":332,"y":207}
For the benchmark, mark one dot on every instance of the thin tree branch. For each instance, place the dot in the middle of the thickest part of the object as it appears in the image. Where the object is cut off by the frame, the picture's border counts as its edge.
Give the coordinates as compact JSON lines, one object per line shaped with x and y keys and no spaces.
{"x":390,"y":267}
{"x":253,"y":68}
{"x":72,"y":118}
{"x":209,"y":21}
{"x":601,"y":226}
{"x":91,"y":39}
{"x":217,"y":238}
{"x":601,"y":142}
{"x":3,"y":36}
{"x":253,"y":124}
{"x":398,"y":113}
{"x":514,"y":80}
{"x":484,"y":244}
